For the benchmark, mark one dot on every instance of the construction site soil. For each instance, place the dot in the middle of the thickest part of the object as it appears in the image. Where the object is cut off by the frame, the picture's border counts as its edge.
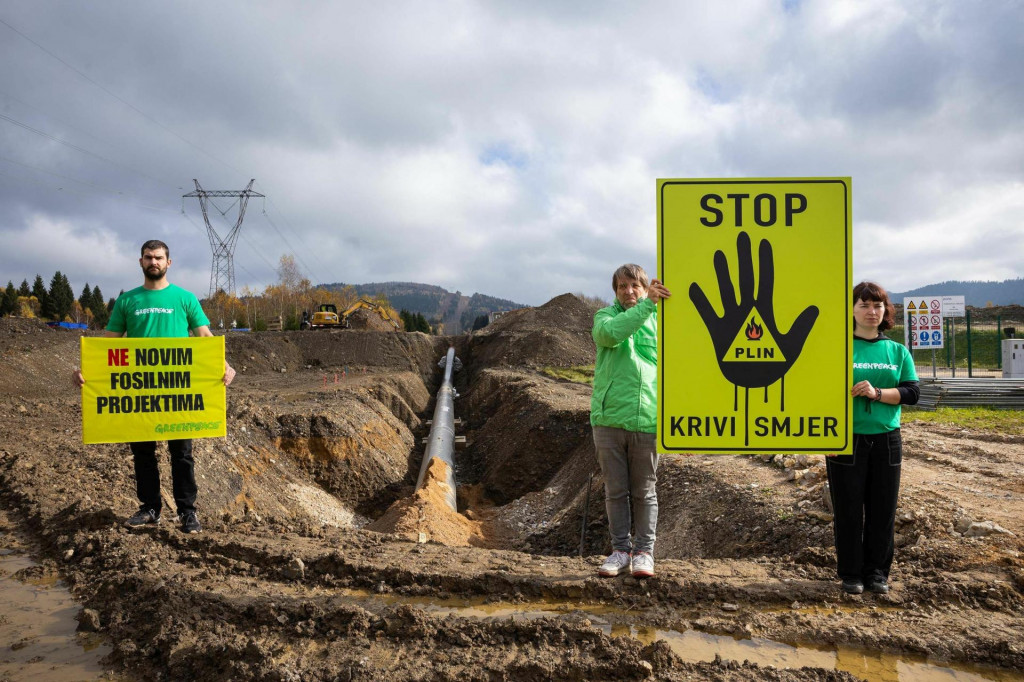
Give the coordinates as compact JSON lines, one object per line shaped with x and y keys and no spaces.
{"x":317,"y":560}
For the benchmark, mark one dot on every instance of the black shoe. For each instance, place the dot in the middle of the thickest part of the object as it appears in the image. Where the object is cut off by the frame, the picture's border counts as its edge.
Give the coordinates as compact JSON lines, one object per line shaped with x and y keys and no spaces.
{"x":853,"y":587}
{"x":878,"y":586}
{"x":189,"y":522}
{"x":143,"y":517}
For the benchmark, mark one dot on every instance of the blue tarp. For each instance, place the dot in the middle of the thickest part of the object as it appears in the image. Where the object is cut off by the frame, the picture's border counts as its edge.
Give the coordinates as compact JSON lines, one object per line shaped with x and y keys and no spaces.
{"x":68,"y":325}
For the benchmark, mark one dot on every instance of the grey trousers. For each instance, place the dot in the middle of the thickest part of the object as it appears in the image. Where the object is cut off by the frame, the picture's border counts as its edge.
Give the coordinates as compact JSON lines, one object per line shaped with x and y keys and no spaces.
{"x":629,"y":462}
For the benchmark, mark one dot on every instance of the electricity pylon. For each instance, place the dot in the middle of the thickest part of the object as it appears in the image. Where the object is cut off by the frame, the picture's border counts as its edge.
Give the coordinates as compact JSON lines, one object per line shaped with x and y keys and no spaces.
{"x":222,"y":275}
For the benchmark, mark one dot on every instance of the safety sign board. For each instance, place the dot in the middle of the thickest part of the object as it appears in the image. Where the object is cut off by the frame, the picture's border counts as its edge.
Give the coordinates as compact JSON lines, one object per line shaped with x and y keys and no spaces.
{"x":755,"y":344}
{"x":923,"y":322}
{"x":152,"y":389}
{"x":953,"y":306}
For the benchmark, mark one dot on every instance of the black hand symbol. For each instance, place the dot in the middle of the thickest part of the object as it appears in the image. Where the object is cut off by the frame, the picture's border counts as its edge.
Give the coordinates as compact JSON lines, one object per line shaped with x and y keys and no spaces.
{"x":724,"y":330}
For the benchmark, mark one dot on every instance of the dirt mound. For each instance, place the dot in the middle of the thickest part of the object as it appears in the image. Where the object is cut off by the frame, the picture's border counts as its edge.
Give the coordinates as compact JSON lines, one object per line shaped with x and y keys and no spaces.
{"x":334,"y":350}
{"x":368,"y":320}
{"x":567,"y":312}
{"x":427,"y":512}
{"x":554,"y":334}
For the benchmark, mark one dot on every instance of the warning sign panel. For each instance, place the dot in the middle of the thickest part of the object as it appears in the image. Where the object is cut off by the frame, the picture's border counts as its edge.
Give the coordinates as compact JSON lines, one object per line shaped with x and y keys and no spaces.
{"x":755,"y":345}
{"x":923,"y":322}
{"x":152,"y":389}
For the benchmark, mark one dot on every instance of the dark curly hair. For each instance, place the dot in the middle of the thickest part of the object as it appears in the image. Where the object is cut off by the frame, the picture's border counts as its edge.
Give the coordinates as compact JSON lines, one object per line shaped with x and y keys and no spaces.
{"x":869,"y":291}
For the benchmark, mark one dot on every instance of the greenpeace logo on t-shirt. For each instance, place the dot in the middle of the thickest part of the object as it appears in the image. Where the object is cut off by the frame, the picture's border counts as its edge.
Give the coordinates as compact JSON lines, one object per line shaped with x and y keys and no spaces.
{"x":147,"y":311}
{"x":874,"y":365}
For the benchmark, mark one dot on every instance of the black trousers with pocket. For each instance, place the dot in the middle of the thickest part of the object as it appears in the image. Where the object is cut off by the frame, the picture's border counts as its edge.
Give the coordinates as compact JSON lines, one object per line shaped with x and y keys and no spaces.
{"x":864,"y":488}
{"x":147,"y":474}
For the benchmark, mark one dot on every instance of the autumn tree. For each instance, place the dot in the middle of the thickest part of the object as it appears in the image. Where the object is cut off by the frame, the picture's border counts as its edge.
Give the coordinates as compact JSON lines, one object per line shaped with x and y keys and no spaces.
{"x":223,"y":309}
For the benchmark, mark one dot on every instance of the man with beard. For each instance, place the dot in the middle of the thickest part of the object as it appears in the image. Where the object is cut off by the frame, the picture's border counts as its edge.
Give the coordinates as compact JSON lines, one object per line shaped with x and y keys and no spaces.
{"x":159,"y":309}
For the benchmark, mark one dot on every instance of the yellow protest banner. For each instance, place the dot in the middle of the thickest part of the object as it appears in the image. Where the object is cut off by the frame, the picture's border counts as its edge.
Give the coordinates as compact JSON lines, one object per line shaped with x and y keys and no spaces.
{"x":152,"y":389}
{"x":755,"y":346}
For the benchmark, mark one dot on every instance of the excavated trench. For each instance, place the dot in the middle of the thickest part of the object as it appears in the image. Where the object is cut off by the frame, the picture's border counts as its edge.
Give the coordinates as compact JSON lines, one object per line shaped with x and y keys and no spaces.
{"x":319,"y":561}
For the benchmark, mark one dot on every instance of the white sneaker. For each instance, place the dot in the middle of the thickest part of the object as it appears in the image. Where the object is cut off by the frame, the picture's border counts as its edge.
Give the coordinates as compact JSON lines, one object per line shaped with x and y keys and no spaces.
{"x":616,"y":563}
{"x":643,"y":565}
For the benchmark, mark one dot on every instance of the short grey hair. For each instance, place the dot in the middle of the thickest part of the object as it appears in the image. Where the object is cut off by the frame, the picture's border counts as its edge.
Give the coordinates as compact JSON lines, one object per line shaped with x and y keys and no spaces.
{"x":632,"y":271}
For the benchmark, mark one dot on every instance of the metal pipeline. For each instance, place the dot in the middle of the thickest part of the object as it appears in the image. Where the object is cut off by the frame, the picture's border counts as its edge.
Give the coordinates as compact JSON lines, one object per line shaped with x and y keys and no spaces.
{"x":441,"y":441}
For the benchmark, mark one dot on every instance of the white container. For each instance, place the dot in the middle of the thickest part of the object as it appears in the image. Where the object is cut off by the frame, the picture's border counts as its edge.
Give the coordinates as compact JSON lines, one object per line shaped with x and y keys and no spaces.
{"x":1013,"y":358}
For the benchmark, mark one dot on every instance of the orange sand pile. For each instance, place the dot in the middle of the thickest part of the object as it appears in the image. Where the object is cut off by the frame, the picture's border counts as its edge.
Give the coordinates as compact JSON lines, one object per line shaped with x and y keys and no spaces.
{"x":427,"y":512}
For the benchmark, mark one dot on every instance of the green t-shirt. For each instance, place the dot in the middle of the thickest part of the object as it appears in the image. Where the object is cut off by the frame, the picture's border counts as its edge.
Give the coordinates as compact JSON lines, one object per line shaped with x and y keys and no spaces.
{"x":156,"y":313}
{"x":885,"y":364}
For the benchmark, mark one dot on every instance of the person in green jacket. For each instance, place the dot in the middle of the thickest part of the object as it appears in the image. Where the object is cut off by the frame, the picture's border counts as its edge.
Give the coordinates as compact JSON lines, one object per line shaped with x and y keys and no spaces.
{"x":623,"y":414}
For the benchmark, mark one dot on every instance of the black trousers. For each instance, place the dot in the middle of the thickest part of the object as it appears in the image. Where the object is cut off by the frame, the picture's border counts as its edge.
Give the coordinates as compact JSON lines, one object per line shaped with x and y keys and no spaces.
{"x":864,"y":488}
{"x":147,"y":474}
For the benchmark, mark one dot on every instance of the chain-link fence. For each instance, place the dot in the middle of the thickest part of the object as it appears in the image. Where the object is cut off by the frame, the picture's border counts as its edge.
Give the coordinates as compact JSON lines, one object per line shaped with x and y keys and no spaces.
{"x":972,"y":344}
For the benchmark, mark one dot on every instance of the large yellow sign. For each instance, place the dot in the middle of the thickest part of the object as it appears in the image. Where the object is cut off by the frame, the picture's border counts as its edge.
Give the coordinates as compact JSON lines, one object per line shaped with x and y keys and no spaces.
{"x":152,"y":389}
{"x":754,"y":346}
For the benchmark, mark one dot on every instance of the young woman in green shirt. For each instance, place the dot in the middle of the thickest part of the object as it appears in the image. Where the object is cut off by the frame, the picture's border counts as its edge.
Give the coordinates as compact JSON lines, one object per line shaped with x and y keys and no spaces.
{"x":865,"y":485}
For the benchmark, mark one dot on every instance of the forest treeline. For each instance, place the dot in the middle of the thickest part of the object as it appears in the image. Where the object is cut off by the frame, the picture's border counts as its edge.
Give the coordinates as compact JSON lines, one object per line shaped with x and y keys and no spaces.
{"x":56,"y":302}
{"x":286,"y":299}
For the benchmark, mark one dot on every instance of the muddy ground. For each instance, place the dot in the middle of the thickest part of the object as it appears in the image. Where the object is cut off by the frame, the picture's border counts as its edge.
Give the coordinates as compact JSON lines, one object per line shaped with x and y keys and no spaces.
{"x":317,"y":561}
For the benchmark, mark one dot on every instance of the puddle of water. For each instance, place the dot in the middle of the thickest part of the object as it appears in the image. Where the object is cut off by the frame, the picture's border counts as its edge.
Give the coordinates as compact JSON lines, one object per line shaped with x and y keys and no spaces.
{"x":38,"y":640}
{"x":694,"y":646}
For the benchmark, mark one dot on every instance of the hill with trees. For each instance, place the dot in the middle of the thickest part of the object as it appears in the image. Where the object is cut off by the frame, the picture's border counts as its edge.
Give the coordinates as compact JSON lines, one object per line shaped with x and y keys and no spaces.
{"x":976,"y":293}
{"x":454,"y":310}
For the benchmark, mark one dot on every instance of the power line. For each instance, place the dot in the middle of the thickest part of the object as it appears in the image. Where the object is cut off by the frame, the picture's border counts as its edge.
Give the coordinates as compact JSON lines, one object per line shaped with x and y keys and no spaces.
{"x":155,"y":122}
{"x":76,"y":147}
{"x":299,"y":236}
{"x":77,"y":191}
{"x":121,"y":100}
{"x":298,"y":255}
{"x":117,"y":194}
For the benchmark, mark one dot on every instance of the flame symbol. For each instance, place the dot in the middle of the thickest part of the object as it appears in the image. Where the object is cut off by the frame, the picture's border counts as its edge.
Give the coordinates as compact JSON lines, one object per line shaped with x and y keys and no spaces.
{"x":754,"y":331}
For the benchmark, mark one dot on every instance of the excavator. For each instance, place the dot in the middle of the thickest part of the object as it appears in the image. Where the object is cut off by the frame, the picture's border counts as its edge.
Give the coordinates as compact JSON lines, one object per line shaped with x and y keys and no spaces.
{"x":369,"y":305}
{"x":326,"y":315}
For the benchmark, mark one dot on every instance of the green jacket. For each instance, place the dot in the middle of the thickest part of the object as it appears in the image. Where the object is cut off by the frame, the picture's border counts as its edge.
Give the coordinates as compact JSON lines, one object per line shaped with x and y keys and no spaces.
{"x":626,"y":374}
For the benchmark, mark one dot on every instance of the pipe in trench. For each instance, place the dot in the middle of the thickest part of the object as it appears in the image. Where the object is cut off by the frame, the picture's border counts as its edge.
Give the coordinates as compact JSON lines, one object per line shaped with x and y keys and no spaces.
{"x":441,"y":441}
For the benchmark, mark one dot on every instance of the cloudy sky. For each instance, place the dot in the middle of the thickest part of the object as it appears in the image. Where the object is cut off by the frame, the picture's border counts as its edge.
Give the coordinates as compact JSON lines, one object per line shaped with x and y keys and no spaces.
{"x":508,"y":148}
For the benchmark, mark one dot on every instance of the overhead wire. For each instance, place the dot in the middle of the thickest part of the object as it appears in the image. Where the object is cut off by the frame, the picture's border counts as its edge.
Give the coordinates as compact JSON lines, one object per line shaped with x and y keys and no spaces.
{"x":294,"y":231}
{"x":117,"y":194}
{"x":158,"y":124}
{"x":120,"y":99}
{"x":75,"y":147}
{"x":72,"y":190}
{"x":298,"y":256}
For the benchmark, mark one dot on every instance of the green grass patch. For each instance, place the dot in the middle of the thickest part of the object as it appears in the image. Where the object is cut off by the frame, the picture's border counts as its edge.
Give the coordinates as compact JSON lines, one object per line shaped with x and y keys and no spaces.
{"x":977,"y":418}
{"x":577,"y":375}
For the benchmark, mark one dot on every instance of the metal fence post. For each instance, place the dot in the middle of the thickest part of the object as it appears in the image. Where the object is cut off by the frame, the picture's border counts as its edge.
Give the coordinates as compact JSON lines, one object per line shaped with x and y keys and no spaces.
{"x":970,"y":365}
{"x":949,"y":341}
{"x":999,"y":341}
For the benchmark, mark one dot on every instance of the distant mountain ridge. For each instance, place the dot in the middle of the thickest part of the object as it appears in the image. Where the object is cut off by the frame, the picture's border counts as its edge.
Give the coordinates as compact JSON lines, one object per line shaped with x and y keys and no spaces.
{"x":454,"y":309}
{"x":976,"y":293}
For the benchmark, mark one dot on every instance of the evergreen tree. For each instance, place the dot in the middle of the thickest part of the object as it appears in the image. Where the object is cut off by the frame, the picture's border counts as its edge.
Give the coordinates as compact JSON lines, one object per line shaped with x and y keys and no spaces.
{"x":60,"y":297}
{"x":23,"y":290}
{"x":480,"y":322}
{"x":39,"y":291}
{"x":85,"y":299}
{"x":100,"y":314}
{"x":9,"y":301}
